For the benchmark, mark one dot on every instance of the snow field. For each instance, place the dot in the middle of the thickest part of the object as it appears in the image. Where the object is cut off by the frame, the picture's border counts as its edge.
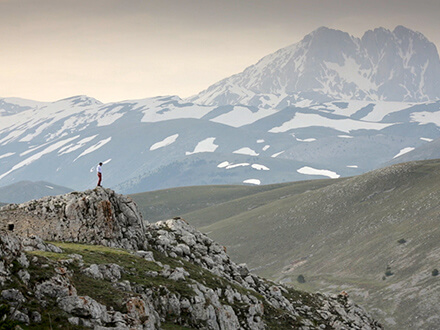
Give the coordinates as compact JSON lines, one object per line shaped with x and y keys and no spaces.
{"x":206,"y":145}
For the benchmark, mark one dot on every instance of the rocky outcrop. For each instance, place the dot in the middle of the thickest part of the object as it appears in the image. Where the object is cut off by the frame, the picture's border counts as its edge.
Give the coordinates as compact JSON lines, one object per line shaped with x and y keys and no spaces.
{"x":98,"y":216}
{"x":176,"y":238}
{"x":170,"y":274}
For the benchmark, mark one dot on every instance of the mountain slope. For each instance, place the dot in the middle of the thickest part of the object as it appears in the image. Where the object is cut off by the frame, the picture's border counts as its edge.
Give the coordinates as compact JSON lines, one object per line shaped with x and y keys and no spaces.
{"x":24,"y":191}
{"x":208,"y":204}
{"x":399,"y":65}
{"x":62,"y":142}
{"x":375,"y":236}
{"x":349,"y":231}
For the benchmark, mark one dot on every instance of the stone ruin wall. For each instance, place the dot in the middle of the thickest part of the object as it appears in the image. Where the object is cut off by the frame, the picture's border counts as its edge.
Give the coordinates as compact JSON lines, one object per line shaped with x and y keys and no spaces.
{"x":97,"y":216}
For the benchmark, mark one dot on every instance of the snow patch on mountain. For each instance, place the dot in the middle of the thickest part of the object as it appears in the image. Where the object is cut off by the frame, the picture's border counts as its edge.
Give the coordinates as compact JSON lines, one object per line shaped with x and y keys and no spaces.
{"x":240,"y":116}
{"x":109,"y":117}
{"x":8,"y":154}
{"x":154,"y":111}
{"x":72,"y":147}
{"x":223,"y":164}
{"x":426,"y":117}
{"x":95,"y":147}
{"x":38,"y":155}
{"x":313,"y":171}
{"x":301,"y":120}
{"x":404,"y":151}
{"x":260,"y":167}
{"x":382,"y":109}
{"x":165,"y":142}
{"x":277,"y":154}
{"x":306,"y":140}
{"x":343,"y":107}
{"x":206,"y":145}
{"x":231,"y":166}
{"x":252,"y":181}
{"x":352,"y":72}
{"x":246,"y":151}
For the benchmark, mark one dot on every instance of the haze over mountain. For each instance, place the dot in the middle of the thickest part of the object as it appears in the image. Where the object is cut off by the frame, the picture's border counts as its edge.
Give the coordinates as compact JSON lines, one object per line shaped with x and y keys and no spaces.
{"x":400,"y":65}
{"x":289,"y":127}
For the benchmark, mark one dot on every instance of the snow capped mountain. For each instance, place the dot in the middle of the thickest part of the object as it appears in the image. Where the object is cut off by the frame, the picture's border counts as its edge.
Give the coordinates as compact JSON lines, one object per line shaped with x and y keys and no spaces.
{"x":165,"y":141}
{"x":399,"y":65}
{"x":317,"y":109}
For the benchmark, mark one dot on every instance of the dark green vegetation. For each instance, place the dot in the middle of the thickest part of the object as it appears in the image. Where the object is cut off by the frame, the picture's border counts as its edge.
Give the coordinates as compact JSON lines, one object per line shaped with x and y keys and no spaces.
{"x":45,"y":265}
{"x":342,"y":234}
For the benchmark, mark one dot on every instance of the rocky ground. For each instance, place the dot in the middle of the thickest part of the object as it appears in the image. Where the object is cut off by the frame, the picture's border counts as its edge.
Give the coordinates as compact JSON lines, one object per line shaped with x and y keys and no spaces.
{"x":138,"y":275}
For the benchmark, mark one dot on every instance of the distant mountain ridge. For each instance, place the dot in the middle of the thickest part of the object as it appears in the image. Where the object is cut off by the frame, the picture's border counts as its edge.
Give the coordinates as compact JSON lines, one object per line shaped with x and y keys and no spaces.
{"x":328,"y":64}
{"x":283,"y":119}
{"x":24,"y":191}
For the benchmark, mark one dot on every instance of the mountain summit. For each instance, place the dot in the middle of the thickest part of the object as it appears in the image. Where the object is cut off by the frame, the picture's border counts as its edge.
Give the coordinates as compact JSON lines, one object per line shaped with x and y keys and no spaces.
{"x":328,"y":64}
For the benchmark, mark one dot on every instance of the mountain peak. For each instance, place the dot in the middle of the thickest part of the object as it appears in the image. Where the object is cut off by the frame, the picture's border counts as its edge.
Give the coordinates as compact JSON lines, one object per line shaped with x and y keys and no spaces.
{"x":82,"y":100}
{"x":399,"y":65}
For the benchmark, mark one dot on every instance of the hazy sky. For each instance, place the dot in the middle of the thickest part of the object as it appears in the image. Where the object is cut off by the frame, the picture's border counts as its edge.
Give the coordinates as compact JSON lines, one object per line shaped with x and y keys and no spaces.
{"x":115,"y":50}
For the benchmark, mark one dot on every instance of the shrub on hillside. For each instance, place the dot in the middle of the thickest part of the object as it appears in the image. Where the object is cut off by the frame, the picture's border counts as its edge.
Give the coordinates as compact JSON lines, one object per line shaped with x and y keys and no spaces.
{"x":401,"y":241}
{"x":301,"y":279}
{"x":388,"y":272}
{"x":435,"y":272}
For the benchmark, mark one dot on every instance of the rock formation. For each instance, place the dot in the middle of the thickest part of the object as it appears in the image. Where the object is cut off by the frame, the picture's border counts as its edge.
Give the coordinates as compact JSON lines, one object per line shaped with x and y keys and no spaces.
{"x":167,"y":273}
{"x":97,"y":216}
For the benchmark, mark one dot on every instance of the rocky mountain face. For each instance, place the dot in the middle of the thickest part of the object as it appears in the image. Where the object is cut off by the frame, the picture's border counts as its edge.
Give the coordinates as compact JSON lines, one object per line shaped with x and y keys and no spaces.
{"x":174,"y":275}
{"x":399,"y":65}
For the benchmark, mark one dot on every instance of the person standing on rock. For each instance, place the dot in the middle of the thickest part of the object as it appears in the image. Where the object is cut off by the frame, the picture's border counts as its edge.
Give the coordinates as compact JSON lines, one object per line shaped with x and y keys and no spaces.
{"x":99,"y":172}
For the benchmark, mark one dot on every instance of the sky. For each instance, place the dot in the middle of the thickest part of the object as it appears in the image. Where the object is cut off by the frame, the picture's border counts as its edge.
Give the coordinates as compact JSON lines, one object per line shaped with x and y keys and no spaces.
{"x":116,"y":50}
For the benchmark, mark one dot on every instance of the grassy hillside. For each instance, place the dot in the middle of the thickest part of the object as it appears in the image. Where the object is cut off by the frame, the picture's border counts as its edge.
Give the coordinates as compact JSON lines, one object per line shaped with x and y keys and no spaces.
{"x":376,"y":236}
{"x":168,"y":203}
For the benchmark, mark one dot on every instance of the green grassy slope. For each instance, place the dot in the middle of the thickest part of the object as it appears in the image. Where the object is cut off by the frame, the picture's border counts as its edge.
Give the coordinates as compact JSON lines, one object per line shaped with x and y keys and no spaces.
{"x":240,"y":206}
{"x":168,"y":203}
{"x":345,"y":236}
{"x":376,"y":236}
